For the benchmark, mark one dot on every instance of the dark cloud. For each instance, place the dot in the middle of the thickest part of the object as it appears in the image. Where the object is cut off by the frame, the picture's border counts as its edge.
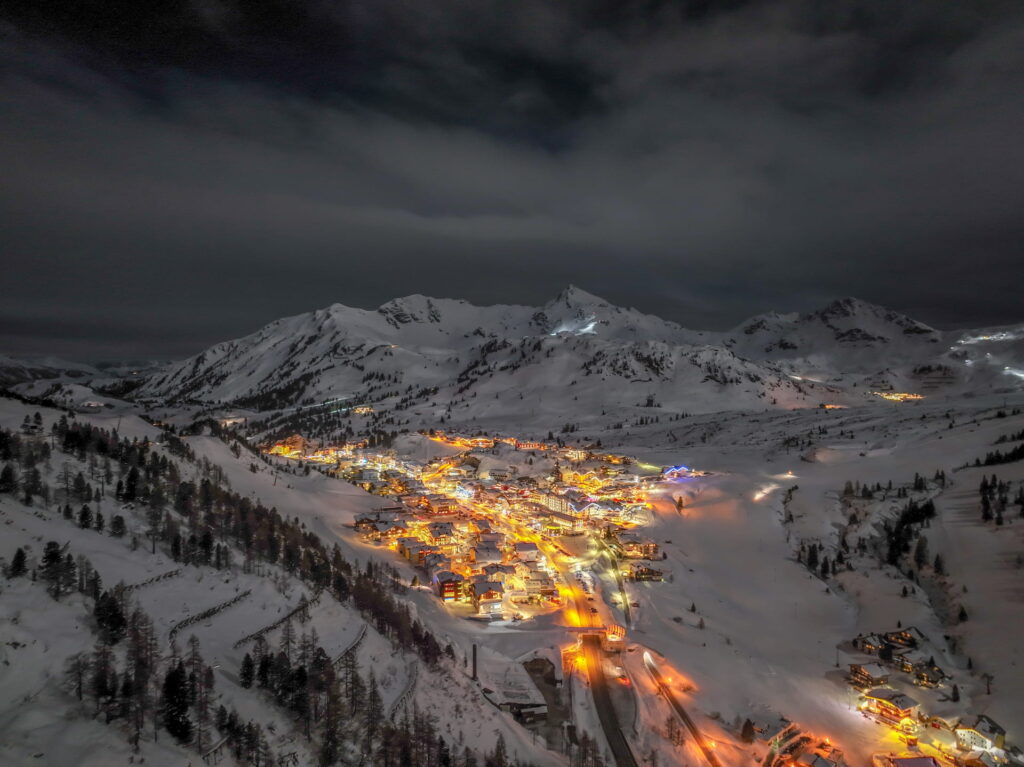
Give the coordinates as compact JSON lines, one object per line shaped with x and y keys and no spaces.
{"x":174,"y":179}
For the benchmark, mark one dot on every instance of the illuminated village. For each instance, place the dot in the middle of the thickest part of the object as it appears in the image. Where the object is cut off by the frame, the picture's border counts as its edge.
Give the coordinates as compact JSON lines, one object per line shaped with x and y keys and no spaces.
{"x":496,"y":544}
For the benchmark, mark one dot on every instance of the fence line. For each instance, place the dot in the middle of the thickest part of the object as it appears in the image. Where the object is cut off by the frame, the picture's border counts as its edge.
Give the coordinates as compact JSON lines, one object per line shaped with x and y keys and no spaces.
{"x":303,"y":605}
{"x":208,"y":613}
{"x":155,"y":579}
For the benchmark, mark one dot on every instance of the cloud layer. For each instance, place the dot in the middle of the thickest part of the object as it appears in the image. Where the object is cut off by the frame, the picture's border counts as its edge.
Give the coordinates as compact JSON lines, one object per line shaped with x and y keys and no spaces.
{"x":173,"y":180}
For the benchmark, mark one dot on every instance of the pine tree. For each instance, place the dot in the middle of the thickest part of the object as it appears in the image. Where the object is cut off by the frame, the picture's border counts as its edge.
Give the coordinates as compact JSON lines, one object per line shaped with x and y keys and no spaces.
{"x":372,"y":714}
{"x":747,"y":734}
{"x":8,"y":479}
{"x":110,"y":618}
{"x":175,"y":704}
{"x":939,"y":565}
{"x":287,"y":638}
{"x":50,"y":568}
{"x":68,"y":574}
{"x":18,"y":566}
{"x":248,"y":671}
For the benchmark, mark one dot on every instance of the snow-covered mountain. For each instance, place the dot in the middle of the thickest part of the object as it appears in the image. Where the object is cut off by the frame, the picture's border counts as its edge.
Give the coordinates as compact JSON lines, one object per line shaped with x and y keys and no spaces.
{"x":14,"y":370}
{"x":575,"y":356}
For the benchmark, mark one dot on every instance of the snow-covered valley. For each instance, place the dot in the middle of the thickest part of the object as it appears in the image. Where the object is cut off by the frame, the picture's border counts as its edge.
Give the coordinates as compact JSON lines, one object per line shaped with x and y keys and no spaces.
{"x":805,"y":534}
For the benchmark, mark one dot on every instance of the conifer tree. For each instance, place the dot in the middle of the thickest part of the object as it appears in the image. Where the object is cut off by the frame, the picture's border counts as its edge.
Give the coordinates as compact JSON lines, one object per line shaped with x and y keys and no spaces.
{"x":18,"y":566}
{"x":248,"y":671}
{"x":175,"y":704}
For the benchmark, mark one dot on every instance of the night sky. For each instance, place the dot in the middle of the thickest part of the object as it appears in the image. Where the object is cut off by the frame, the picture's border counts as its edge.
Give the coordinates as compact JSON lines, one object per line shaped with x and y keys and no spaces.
{"x":172,"y":178}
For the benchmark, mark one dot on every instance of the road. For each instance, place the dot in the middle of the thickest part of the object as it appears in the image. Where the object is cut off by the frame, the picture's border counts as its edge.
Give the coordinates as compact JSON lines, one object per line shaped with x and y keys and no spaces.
{"x":670,"y":696}
{"x":603,"y":702}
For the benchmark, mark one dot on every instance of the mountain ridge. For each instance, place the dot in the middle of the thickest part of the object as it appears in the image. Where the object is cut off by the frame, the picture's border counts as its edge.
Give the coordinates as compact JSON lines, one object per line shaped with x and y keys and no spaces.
{"x":460,"y":350}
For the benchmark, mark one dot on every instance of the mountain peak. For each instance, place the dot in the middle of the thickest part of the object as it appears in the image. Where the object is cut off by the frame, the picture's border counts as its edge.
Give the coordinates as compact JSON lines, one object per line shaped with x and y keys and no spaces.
{"x":573,"y":296}
{"x":414,"y":308}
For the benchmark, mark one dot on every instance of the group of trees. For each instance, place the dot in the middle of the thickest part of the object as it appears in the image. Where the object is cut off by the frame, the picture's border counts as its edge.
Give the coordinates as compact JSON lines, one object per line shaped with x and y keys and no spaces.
{"x":995,"y":498}
{"x":814,"y":558}
{"x":995,"y":457}
{"x":901,"y":533}
{"x":21,"y":456}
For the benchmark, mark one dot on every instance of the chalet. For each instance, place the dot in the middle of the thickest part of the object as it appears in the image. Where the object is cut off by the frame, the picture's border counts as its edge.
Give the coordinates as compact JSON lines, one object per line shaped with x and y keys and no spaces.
{"x":977,"y":759}
{"x":632,"y":546}
{"x":440,"y":504}
{"x":448,"y":586}
{"x":405,"y":543}
{"x":526,"y":550}
{"x":890,"y":704}
{"x":908,"y":637}
{"x":871,"y":644}
{"x":435,"y":561}
{"x":494,"y":539}
{"x":525,"y":445}
{"x":775,"y":731}
{"x":441,"y":533}
{"x":866,"y":675}
{"x":496,"y":572}
{"x":920,"y":665}
{"x":485,"y":554}
{"x":638,"y":571}
{"x":487,"y":597}
{"x":539,"y":584}
{"x":388,"y":530}
{"x":481,"y":442}
{"x":980,"y":733}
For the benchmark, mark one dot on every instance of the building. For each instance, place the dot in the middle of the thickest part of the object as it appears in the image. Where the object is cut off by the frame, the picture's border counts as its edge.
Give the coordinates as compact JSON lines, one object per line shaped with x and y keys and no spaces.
{"x":526,"y":445}
{"x":485,"y":554}
{"x":908,"y":637}
{"x":775,"y":731}
{"x":526,"y":551}
{"x":448,"y":586}
{"x":890,"y":704}
{"x":871,"y":644}
{"x":487,"y":597}
{"x":980,"y":733}
{"x":441,"y":533}
{"x":638,"y":571}
{"x":632,"y":546}
{"x":295,"y":445}
{"x":866,"y":675}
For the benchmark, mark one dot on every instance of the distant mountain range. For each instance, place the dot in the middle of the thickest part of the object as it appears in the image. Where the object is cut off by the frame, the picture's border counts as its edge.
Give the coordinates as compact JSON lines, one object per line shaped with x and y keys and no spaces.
{"x":580,"y":356}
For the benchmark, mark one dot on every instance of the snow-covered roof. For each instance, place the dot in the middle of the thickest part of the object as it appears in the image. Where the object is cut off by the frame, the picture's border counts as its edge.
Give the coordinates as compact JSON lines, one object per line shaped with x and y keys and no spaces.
{"x":983,"y":725}
{"x":895,"y":697}
{"x":872,"y":669}
{"x":482,"y":587}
